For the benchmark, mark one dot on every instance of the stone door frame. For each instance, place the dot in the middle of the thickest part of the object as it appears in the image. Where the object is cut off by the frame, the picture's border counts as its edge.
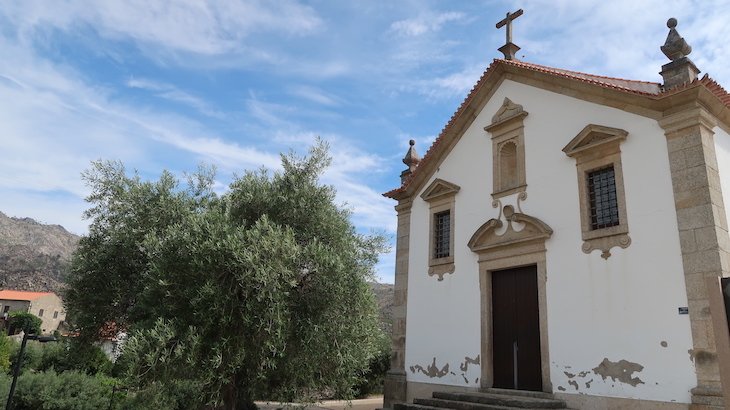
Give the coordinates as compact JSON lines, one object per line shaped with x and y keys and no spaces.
{"x":509,"y":249}
{"x":486,"y":267}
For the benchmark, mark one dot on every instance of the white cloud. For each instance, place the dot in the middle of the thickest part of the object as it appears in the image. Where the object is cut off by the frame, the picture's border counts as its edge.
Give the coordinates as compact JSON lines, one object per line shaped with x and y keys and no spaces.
{"x":53,"y":123}
{"x":425,"y":24}
{"x":622,"y":38}
{"x":455,"y":84}
{"x":202,"y":27}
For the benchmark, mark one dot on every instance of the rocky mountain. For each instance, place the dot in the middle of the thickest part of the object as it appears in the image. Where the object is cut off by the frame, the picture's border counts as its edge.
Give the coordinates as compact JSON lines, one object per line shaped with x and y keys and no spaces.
{"x":33,"y":256}
{"x":384,"y":297}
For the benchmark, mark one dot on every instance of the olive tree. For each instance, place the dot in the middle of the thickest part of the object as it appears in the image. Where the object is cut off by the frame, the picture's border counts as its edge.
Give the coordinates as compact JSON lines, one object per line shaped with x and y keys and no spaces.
{"x":258,"y":293}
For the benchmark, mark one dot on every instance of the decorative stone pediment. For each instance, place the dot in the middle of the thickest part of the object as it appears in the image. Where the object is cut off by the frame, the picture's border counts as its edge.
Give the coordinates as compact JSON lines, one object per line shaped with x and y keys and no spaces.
{"x":592,"y":137}
{"x":507,"y":112}
{"x":487,"y":239}
{"x":439,"y":189}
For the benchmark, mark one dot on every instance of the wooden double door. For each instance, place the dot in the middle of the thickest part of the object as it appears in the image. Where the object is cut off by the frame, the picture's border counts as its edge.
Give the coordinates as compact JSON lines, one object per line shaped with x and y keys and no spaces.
{"x":516,"y":329}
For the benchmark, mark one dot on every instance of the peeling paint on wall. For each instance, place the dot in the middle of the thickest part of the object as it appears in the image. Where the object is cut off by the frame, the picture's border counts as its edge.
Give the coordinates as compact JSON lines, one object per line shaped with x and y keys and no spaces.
{"x":573,"y":383}
{"x":561,"y":388}
{"x":588,"y":383}
{"x":467,"y":361}
{"x":620,"y":371}
{"x":664,"y":343}
{"x":431,"y":370}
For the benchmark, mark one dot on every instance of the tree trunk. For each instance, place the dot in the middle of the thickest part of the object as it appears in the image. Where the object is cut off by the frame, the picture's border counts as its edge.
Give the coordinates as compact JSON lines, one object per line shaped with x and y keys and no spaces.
{"x":230,"y":396}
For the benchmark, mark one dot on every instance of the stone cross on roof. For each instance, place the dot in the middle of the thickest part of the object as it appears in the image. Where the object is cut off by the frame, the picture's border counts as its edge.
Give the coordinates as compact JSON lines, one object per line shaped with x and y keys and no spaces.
{"x":510,"y":48}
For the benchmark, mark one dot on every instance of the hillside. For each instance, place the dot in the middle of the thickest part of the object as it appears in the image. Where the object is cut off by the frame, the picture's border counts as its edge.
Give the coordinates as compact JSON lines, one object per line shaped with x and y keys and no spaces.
{"x":384,"y":297}
{"x":33,"y":256}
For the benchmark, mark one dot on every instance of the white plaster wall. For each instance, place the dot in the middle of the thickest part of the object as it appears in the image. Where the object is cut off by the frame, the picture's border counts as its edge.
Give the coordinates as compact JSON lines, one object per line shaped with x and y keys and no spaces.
{"x":621,"y":308}
{"x":722,"y":151}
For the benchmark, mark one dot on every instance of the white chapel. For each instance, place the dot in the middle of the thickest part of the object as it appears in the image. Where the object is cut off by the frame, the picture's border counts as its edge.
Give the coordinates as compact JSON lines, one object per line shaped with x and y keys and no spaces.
{"x":563,"y":243}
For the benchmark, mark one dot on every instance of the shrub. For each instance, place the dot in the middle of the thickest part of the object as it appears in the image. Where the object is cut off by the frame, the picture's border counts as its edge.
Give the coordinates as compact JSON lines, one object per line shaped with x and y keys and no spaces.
{"x":170,"y":395}
{"x":60,"y":391}
{"x":372,"y":379}
{"x":27,"y":322}
{"x":86,"y":358}
{"x":61,"y":356}
{"x":32,"y":356}
{"x":5,"y":346}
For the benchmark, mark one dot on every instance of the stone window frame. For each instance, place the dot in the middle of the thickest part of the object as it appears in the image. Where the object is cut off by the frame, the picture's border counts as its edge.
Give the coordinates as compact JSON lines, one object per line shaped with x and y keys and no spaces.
{"x":441,"y":196}
{"x":594,"y":148}
{"x":507,"y":127}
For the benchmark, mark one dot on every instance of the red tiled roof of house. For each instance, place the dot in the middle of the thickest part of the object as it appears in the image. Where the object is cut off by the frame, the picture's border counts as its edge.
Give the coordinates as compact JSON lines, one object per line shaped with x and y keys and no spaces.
{"x":21,"y":295}
{"x":642,"y":88}
{"x":109,"y":331}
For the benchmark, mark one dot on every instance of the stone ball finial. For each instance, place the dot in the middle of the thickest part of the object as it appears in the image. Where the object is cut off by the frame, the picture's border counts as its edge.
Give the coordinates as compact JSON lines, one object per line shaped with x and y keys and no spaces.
{"x":411,"y":159}
{"x":675,"y":47}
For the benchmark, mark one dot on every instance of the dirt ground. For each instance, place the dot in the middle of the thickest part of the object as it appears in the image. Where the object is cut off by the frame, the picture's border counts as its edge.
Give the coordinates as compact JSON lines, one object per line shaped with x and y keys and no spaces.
{"x":371,"y":403}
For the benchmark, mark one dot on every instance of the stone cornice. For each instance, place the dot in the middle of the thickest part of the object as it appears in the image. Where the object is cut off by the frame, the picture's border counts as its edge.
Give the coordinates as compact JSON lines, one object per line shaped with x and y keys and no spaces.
{"x":693,"y":115}
{"x":404,"y":206}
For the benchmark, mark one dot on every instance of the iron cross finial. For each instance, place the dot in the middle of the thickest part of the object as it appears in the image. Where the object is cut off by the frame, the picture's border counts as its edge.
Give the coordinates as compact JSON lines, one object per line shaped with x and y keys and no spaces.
{"x":509,"y":49}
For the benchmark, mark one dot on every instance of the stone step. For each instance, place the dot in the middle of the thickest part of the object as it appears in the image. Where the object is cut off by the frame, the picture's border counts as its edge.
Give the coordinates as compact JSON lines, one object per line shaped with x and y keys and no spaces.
{"x":409,"y":406}
{"x":512,"y":392}
{"x":460,"y":405}
{"x":503,"y":399}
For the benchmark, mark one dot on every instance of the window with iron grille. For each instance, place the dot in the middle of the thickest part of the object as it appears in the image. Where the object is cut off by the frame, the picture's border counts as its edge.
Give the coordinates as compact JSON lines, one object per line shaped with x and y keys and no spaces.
{"x":442,"y":234}
{"x":602,"y":198}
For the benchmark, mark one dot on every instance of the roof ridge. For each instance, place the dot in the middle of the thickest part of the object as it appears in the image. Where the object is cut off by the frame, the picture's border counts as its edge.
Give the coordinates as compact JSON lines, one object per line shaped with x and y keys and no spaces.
{"x":580,"y":72}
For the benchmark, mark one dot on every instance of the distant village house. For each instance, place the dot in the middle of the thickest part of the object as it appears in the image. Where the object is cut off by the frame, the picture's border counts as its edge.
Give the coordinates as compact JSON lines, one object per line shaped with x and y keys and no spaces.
{"x":46,"y":305}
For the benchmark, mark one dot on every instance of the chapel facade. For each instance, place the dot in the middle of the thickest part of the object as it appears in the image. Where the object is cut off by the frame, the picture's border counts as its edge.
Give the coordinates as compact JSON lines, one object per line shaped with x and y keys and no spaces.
{"x":567,"y":233}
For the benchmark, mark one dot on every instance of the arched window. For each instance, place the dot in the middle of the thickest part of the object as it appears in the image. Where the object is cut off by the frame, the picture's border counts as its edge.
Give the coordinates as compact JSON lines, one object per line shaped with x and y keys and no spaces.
{"x":508,"y":149}
{"x":508,"y":172}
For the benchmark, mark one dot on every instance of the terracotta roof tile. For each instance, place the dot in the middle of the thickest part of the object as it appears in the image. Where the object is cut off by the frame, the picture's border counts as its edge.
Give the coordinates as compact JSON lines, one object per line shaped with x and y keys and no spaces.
{"x":633,"y":86}
{"x":21,"y":295}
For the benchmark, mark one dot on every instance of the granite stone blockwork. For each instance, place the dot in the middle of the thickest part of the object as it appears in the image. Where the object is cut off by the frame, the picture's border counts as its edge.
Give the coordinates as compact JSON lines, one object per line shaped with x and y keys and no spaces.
{"x":703,"y":235}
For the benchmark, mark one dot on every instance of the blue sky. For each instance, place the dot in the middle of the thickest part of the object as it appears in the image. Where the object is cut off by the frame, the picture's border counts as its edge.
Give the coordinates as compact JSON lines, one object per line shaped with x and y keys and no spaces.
{"x":170,"y":84}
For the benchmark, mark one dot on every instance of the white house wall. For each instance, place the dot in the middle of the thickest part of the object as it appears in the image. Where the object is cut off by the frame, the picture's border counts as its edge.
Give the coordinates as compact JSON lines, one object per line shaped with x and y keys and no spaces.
{"x":623,"y":308}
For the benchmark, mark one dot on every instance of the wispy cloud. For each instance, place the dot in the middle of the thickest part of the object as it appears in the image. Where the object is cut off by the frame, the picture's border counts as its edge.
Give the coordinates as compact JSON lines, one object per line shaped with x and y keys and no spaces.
{"x":202,"y":27}
{"x":55,"y":123}
{"x":315,"y":95}
{"x":425,"y":24}
{"x":172,"y":93}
